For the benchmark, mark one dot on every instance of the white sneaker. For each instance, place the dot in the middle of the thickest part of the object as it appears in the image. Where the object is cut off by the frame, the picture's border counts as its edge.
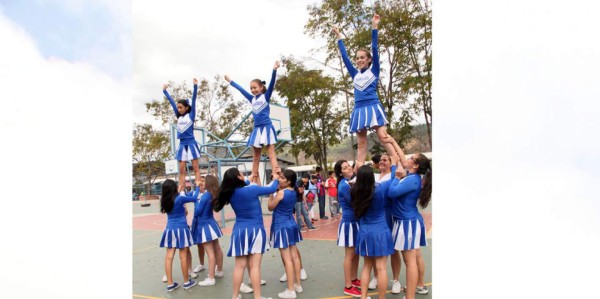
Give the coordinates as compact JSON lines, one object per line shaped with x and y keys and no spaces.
{"x":303,"y":275}
{"x":207,"y":282}
{"x":199,"y":268}
{"x":283,"y":278}
{"x":165,"y":279}
{"x":192,"y":274}
{"x":246,"y":289}
{"x":373,"y":283}
{"x":287,"y":294}
{"x":396,"y":287}
{"x":218,"y":273}
{"x":422,"y":291}
{"x":261,"y":297}
{"x":238,"y":297}
{"x":262,"y":282}
{"x":298,"y":288}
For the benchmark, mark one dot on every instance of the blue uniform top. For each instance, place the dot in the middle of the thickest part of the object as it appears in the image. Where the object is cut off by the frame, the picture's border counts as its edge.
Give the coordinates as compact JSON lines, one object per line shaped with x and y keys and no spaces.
{"x":405,"y":193}
{"x":176,"y":218}
{"x":246,"y":205}
{"x":185,"y":123}
{"x":260,"y":104}
{"x":284,"y":209}
{"x":344,"y":199}
{"x":365,"y":81}
{"x":386,"y":182}
{"x":203,"y":208}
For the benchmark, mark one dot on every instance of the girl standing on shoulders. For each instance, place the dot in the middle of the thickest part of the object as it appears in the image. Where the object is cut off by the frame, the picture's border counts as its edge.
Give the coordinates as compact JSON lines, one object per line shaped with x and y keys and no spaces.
{"x":177,"y":234}
{"x":263,"y":133}
{"x":188,"y":147}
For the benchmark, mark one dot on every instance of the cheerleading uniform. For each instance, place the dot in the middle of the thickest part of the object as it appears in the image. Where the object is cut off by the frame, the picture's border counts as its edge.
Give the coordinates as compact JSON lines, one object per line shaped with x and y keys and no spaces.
{"x":368,"y":112}
{"x":284,"y":229}
{"x":188,"y":147}
{"x":409,"y":229}
{"x":348,"y":227}
{"x":177,"y":233}
{"x":205,"y":228}
{"x":263,"y":132}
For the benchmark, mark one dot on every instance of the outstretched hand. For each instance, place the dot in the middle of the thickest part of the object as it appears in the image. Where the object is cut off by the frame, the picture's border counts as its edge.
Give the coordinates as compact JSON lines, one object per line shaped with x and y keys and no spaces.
{"x":375,"y":21}
{"x":165,"y":86}
{"x":227,"y":78}
{"x":277,"y":65}
{"x":195,"y":81}
{"x":336,"y":30}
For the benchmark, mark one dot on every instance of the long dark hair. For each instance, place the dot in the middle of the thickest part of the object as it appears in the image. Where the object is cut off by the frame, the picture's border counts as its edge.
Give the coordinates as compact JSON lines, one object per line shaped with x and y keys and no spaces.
{"x":425,"y":170}
{"x":228,"y":185}
{"x":361,"y":193}
{"x":337,"y":169}
{"x":211,"y":184}
{"x":291,"y":176}
{"x":167,"y":198}
{"x":261,"y":83}
{"x":186,"y":105}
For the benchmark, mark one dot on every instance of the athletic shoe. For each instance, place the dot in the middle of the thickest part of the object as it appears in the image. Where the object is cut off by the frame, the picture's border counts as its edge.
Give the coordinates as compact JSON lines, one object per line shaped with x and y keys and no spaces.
{"x":172,"y":287}
{"x":261,"y":297}
{"x":199,"y":268}
{"x":303,"y":230}
{"x":245,"y":289}
{"x":189,"y":284}
{"x":207,"y":282}
{"x":192,"y":274}
{"x":283,"y":278}
{"x":373,"y":283}
{"x":239,"y":296}
{"x":298,"y":288}
{"x":262,"y":282}
{"x":422,"y":290}
{"x":396,"y":287}
{"x":218,"y":273}
{"x":313,"y":228}
{"x":165,"y":279}
{"x":356,"y":283}
{"x":324,"y":218}
{"x":352,"y":291}
{"x":303,"y":275}
{"x":287,"y":294}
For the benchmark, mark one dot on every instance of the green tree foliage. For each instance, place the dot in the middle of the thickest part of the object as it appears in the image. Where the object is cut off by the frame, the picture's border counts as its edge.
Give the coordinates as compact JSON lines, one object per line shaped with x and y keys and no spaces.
{"x":404,"y":48}
{"x":314,"y":119}
{"x":150,"y":149}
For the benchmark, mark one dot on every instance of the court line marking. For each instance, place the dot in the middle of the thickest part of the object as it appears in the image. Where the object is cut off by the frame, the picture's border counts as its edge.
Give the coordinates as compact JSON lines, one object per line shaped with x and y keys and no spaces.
{"x":368,"y":294}
{"x":147,"y":297}
{"x":144,"y":249}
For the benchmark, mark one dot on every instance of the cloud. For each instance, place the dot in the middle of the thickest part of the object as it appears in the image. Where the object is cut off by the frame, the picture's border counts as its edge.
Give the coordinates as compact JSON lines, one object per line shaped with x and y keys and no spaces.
{"x":66,"y":130}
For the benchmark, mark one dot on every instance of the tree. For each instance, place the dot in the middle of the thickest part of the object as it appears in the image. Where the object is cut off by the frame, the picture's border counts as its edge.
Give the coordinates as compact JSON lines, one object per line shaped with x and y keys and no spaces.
{"x":314,"y":119}
{"x":150,"y":149}
{"x":404,"y":47}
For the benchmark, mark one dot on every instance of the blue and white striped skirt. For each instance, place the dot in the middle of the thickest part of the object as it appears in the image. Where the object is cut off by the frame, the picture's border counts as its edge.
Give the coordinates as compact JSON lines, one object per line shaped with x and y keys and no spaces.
{"x":284,"y":235}
{"x":262,"y":135}
{"x":409,"y":234}
{"x":367,"y":117}
{"x":347,"y":233}
{"x":374,"y":239}
{"x":206,"y":230}
{"x":188,"y":152}
{"x":176,"y":238}
{"x":248,"y":240}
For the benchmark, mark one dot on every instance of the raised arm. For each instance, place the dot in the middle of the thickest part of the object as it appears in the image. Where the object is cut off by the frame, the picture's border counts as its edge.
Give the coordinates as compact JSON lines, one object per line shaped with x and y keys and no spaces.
{"x":272,"y":82}
{"x":275,"y":200}
{"x":194,"y":197}
{"x":166,"y":93}
{"x":193,"y":112}
{"x":246,"y":94}
{"x":374,"y":45}
{"x":344,"y":53}
{"x":403,"y":186}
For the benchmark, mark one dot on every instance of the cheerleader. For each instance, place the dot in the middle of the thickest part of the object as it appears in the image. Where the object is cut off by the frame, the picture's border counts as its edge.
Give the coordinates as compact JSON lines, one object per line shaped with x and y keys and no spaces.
{"x":374,"y":241}
{"x":368,"y":112}
{"x":248,"y":236}
{"x":188,"y":147}
{"x":177,"y":233}
{"x":285,"y":232}
{"x":347,"y":229}
{"x":263,"y":133}
{"x":408,"y":232}
{"x":207,"y":232}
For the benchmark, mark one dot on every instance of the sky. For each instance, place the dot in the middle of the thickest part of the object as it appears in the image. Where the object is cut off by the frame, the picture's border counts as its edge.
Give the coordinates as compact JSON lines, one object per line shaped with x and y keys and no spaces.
{"x":515,"y":200}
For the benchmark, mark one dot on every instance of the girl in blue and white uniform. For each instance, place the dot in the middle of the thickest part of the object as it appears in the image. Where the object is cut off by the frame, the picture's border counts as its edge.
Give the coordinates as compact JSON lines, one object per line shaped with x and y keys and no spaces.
{"x":408,"y":232}
{"x":263,"y":133}
{"x":285,"y":232}
{"x":177,"y":234}
{"x":188,"y":147}
{"x":374,"y":241}
{"x":347,"y":229}
{"x":207,"y":232}
{"x":368,"y":113}
{"x":248,"y":236}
